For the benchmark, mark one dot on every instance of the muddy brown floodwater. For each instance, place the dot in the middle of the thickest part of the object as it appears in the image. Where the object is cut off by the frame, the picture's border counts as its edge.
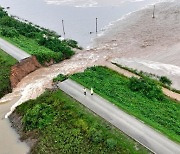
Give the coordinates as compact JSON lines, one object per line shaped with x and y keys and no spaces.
{"x":137,"y":36}
{"x":34,"y":85}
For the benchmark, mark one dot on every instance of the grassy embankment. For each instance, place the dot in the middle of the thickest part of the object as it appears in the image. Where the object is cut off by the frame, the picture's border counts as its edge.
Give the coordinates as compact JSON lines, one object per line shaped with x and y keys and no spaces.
{"x":161,"y":80}
{"x":6,"y":62}
{"x":42,"y":43}
{"x":63,"y":125}
{"x":142,"y":98}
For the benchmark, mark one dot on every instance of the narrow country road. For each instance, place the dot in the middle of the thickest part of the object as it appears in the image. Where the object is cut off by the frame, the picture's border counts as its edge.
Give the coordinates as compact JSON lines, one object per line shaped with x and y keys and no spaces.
{"x":148,"y":137}
{"x":12,"y":50}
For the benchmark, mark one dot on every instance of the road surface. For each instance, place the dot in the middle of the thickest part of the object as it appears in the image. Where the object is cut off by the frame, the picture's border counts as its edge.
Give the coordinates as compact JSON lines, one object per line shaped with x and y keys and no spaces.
{"x":12,"y":50}
{"x":145,"y":135}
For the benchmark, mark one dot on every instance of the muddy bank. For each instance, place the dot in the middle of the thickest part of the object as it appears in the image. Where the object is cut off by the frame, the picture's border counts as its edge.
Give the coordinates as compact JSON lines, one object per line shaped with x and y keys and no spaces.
{"x":29,"y":137}
{"x":22,"y":69}
{"x":32,"y":86}
{"x":146,"y":38}
{"x":127,"y":41}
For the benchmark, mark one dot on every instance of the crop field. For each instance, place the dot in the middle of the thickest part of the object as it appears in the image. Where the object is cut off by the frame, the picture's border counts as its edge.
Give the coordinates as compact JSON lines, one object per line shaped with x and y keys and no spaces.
{"x":63,"y":125}
{"x":141,"y":98}
{"x":6,"y":62}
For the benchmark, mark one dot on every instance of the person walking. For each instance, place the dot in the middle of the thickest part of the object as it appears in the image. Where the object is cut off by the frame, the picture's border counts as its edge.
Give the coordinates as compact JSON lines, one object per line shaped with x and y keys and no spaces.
{"x":84,"y":91}
{"x":92,"y":92}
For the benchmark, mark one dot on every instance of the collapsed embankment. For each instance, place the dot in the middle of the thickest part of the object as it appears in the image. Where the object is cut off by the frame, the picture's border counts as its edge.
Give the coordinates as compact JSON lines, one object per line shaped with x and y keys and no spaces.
{"x":22,"y":69}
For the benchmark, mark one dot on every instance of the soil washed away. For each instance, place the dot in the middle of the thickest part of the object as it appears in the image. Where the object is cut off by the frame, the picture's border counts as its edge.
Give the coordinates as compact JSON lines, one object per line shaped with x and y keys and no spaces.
{"x":137,"y":36}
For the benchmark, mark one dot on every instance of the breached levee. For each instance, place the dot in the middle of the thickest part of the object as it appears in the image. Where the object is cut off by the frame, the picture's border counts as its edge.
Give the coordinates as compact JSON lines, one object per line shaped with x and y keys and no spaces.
{"x":32,"y":86}
{"x":36,"y":82}
{"x":22,"y":69}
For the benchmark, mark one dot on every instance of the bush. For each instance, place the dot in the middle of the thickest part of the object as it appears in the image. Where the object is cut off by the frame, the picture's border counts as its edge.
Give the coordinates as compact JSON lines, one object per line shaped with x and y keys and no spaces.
{"x":39,"y":116}
{"x":48,"y":56}
{"x":147,"y":87}
{"x":56,"y":45}
{"x":9,"y":32}
{"x":165,"y":80}
{"x":6,"y":62}
{"x":60,"y":78}
{"x":2,"y":13}
{"x":111,"y":143}
{"x":72,"y":43}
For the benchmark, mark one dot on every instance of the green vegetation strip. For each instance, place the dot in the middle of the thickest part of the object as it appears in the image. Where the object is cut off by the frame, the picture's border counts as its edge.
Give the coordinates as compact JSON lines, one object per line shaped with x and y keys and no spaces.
{"x":35,"y":40}
{"x":161,"y":80}
{"x":60,"y":78}
{"x":142,"y":98}
{"x":6,"y":62}
{"x":63,"y":125}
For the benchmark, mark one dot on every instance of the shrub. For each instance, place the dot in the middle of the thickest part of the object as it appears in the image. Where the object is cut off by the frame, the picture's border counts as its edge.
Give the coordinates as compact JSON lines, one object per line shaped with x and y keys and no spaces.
{"x":72,"y":43}
{"x":147,"y":87}
{"x":2,"y":12}
{"x":6,"y":62}
{"x":60,"y":78}
{"x":165,"y":80}
{"x":9,"y":32}
{"x":56,"y":45}
{"x":111,"y":143}
{"x":96,"y":136}
{"x":39,"y":116}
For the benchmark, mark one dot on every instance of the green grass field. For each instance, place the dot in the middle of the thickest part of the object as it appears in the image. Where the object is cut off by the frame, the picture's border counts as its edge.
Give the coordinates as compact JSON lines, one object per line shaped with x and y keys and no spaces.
{"x":29,"y":45}
{"x":163,"y":115}
{"x":6,"y":62}
{"x":63,"y":125}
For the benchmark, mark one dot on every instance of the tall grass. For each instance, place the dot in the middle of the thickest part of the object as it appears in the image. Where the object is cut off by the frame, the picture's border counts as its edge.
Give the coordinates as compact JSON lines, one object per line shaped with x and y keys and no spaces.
{"x":63,"y":125}
{"x":159,"y":111}
{"x":6,"y":62}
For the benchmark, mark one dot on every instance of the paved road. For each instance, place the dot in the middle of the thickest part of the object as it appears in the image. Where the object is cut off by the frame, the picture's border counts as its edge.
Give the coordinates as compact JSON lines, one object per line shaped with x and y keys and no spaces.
{"x":148,"y":137}
{"x":13,"y":50}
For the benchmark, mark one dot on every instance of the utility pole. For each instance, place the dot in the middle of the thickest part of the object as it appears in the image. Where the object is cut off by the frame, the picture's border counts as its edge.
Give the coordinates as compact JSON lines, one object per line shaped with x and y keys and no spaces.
{"x":153,"y":16}
{"x":96,"y":25}
{"x":63,"y":28}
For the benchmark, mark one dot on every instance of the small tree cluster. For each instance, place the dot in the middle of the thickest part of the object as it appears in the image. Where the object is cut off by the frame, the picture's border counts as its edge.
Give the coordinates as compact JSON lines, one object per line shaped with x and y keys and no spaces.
{"x":147,"y":87}
{"x":165,"y":80}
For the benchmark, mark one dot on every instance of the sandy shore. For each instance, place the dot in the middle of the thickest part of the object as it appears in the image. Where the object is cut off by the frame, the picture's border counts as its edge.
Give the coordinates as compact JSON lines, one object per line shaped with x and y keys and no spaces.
{"x":141,"y":37}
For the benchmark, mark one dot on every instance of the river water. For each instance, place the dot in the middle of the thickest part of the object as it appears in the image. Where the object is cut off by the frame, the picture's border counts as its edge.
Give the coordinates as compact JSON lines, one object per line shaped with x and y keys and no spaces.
{"x":79,"y":17}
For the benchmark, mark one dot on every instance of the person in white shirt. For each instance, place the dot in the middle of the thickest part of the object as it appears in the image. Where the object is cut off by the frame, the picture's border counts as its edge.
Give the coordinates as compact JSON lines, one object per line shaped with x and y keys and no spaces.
{"x":84,"y":91}
{"x":92,"y":92}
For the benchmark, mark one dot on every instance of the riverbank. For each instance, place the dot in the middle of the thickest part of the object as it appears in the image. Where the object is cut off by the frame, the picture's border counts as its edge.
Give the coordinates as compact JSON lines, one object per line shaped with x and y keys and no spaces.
{"x":6,"y":62}
{"x":62,"y":125}
{"x":79,"y":16}
{"x":46,"y":45}
{"x":142,"y":98}
{"x":145,"y":38}
{"x":35,"y":83}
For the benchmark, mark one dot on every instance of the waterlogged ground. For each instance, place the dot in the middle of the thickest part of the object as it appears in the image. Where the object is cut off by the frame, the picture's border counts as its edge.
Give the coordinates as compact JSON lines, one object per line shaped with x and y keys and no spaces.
{"x":34,"y":85}
{"x":130,"y":38}
{"x":78,"y":15}
{"x":147,"y":44}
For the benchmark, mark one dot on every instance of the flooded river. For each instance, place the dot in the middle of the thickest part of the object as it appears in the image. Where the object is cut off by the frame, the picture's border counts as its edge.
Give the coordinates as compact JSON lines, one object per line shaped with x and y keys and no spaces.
{"x":49,"y":14}
{"x":31,"y":87}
